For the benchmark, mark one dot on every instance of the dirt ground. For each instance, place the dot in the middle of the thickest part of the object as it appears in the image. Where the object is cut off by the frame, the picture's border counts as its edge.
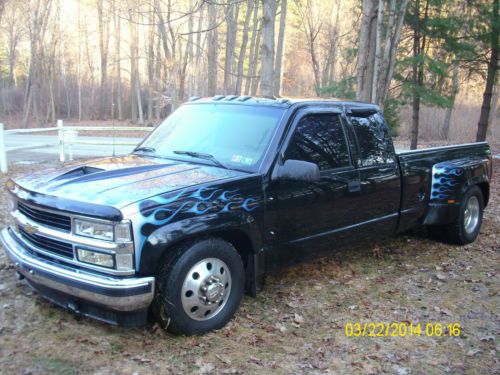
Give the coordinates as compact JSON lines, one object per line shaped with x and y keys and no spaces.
{"x":297,"y":324}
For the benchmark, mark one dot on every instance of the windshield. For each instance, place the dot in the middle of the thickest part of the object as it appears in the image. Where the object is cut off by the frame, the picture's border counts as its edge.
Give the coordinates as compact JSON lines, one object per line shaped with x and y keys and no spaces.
{"x":236,"y":136}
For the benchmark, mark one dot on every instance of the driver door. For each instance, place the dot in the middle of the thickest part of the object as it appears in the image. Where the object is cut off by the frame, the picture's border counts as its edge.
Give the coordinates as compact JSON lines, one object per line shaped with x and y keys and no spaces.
{"x":303,"y":214}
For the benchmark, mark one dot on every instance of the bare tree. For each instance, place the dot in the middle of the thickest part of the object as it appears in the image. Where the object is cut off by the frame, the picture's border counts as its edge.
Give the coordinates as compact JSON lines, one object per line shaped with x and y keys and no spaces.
{"x":38,"y":12}
{"x":243,"y":48}
{"x":392,"y":39}
{"x":280,"y":50}
{"x":103,"y":22}
{"x":232,"y":28}
{"x":267,"y":68}
{"x":254,"y":51}
{"x":117,"y":62}
{"x":14,"y":32}
{"x":375,"y":69}
{"x":212,"y":49}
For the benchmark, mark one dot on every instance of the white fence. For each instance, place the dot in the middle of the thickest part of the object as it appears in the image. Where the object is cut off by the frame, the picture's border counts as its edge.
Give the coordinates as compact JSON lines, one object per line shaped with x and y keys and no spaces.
{"x":67,"y":136}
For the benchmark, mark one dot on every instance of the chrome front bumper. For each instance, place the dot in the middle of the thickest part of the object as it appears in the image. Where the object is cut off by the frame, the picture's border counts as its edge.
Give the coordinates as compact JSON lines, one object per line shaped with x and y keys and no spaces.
{"x":122,"y":294}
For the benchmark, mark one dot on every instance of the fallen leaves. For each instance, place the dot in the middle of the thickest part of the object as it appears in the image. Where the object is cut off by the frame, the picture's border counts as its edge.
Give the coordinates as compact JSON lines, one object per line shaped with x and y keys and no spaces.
{"x":472,"y":352}
{"x":441,"y":276}
{"x":298,"y":319}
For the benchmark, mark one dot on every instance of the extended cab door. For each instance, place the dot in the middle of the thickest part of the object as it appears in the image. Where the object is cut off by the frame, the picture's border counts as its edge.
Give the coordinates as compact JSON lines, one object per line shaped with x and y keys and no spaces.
{"x":377,"y":207}
{"x":301,"y":213}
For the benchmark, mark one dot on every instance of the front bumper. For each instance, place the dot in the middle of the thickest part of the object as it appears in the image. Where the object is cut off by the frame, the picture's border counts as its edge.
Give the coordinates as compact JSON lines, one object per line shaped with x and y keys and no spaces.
{"x":121,"y":294}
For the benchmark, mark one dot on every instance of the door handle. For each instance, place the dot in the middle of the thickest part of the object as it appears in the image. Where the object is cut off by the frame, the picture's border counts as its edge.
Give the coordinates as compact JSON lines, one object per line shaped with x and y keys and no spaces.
{"x":354,"y":186}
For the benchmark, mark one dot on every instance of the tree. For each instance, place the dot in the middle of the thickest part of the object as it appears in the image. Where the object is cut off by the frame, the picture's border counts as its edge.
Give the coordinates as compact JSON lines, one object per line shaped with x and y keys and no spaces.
{"x":278,"y":72}
{"x":212,"y":49}
{"x":38,"y":12}
{"x":376,"y":68}
{"x":232,"y":28}
{"x":494,"y":29}
{"x":267,"y":68}
{"x":103,"y":22}
{"x":243,"y":48}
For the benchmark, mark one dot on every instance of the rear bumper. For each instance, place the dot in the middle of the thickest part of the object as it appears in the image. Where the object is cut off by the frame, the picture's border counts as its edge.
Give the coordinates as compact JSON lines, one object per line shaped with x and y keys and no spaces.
{"x":125,"y":294}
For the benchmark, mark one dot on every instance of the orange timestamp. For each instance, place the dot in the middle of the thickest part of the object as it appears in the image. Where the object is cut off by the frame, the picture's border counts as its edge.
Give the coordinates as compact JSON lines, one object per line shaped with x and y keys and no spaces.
{"x":402,"y":329}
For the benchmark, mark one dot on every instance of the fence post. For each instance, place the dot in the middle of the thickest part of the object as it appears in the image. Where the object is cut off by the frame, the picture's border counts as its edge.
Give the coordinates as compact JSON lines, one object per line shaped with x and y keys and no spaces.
{"x":3,"y":152}
{"x":60,"y":133}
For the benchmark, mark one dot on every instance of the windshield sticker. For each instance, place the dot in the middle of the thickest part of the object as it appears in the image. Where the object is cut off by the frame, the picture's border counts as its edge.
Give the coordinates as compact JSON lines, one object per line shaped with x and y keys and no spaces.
{"x":241,"y":160}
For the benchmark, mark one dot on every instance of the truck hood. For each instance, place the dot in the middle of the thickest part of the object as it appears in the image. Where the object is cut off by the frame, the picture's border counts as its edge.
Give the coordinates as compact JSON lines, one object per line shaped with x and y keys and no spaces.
{"x":121,"y":181}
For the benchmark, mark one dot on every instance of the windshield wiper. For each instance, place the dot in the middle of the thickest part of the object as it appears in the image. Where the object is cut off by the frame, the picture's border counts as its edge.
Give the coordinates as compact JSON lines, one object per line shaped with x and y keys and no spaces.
{"x":145,"y":149}
{"x":201,"y":155}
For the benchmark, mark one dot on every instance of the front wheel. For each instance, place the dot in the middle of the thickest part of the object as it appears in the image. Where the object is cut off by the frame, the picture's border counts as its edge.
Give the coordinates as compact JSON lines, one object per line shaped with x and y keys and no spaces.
{"x":200,"y":288}
{"x":465,"y":228}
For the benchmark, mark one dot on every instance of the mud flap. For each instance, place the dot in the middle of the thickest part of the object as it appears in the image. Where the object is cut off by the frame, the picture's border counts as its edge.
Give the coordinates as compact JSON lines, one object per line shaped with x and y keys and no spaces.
{"x":255,"y":273}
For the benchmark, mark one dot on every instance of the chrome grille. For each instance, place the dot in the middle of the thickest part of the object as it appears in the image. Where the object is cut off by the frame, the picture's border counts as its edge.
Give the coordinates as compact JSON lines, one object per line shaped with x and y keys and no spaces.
{"x":49,"y":245}
{"x":45,"y":217}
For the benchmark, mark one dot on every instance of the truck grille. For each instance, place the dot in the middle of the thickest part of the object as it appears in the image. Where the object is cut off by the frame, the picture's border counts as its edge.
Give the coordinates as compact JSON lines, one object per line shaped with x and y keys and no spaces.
{"x":44,"y":217}
{"x":51,"y":246}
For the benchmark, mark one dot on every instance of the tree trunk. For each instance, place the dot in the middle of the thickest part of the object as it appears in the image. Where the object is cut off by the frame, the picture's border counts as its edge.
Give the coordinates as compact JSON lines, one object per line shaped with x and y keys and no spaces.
{"x":254,"y":42}
{"x":103,"y":27}
{"x":190,"y":51}
{"x":243,"y":49}
{"x":389,"y":60}
{"x":118,"y":66}
{"x":151,"y":67}
{"x":367,"y":37}
{"x":212,"y":50}
{"x":232,"y":29}
{"x":133,"y":68}
{"x":416,"y":81}
{"x":449,"y":110}
{"x":377,"y":57}
{"x":254,"y":76}
{"x":280,"y":51}
{"x":482,"y":127}
{"x":493,"y":120}
{"x":267,"y":67}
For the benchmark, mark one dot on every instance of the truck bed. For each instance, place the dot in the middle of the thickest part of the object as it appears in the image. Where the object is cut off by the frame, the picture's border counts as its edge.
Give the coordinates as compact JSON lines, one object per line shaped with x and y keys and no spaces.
{"x":417,"y":173}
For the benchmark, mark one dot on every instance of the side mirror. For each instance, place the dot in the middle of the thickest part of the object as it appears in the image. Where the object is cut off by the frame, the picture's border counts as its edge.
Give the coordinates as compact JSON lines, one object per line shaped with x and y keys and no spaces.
{"x":298,"y":170}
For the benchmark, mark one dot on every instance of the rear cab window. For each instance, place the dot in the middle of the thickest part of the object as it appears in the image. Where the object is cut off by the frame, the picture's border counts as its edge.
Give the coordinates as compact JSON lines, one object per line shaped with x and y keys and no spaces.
{"x":374,"y":141}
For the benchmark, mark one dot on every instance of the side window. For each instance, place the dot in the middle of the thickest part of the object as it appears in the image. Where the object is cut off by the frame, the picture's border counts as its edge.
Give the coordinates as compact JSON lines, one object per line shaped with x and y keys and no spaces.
{"x":375,"y":144}
{"x":319,"y":139}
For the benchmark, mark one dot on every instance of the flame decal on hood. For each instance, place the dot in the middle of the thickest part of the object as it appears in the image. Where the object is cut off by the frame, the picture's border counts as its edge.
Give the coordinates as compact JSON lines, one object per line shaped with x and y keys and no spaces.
{"x":164,"y":209}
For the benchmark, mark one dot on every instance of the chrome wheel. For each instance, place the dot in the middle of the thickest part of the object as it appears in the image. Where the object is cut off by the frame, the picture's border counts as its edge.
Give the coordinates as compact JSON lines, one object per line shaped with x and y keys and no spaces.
{"x":206,"y":289}
{"x":471,"y":214}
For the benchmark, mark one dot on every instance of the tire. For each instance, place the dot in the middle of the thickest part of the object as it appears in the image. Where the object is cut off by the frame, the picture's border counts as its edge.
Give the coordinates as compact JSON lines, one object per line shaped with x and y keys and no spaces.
{"x":200,"y":288}
{"x":466,"y":227}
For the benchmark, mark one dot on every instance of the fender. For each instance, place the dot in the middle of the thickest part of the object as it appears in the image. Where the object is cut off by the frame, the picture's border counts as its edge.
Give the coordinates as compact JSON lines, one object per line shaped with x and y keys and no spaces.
{"x":450,"y":181}
{"x":163,"y":239}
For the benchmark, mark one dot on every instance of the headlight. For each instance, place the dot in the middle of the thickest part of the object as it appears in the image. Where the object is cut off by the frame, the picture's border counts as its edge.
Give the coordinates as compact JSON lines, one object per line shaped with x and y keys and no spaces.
{"x":94,"y":229}
{"x":118,"y":232}
{"x":94,"y":257}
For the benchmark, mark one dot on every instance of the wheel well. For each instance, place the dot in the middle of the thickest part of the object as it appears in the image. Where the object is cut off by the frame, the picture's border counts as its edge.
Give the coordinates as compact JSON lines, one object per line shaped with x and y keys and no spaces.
{"x":239,"y":239}
{"x":485,"y":189}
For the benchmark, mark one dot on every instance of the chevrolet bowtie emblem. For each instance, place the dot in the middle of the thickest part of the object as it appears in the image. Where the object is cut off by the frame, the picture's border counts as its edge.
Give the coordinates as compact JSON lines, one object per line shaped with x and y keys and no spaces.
{"x":30,"y":229}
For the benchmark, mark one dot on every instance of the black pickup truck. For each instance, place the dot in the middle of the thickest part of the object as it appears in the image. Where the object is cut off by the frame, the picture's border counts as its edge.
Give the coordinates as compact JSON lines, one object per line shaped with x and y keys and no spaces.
{"x":220,"y":193}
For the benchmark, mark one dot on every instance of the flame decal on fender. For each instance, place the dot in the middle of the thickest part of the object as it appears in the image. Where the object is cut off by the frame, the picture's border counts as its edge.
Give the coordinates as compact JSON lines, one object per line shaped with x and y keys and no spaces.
{"x":445,"y":177}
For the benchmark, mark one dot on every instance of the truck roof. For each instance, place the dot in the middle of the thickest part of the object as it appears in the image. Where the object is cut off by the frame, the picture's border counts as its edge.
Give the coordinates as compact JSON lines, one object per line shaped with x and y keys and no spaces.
{"x":282,"y":102}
